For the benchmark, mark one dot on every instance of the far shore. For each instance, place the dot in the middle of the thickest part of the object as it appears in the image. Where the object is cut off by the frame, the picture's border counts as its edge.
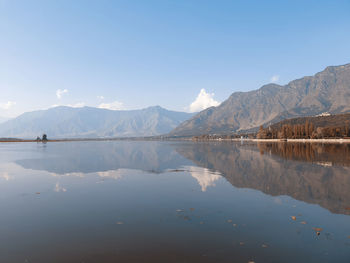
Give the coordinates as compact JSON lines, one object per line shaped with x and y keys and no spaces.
{"x":328,"y":140}
{"x":20,"y":140}
{"x":284,"y":140}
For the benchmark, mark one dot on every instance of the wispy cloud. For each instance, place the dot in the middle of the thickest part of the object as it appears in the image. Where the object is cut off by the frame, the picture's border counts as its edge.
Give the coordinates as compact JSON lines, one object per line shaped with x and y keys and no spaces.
{"x":274,"y":78}
{"x":60,"y":92}
{"x":100,"y":97}
{"x":204,"y":100}
{"x":115,"y":105}
{"x":7,"y":105}
{"x":75,"y":105}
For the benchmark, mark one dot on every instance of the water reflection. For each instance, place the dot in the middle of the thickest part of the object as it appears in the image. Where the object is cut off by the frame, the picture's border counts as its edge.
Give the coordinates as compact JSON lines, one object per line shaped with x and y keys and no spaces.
{"x":204,"y":177}
{"x":172,"y":202}
{"x":303,"y":177}
{"x":5,"y":176}
{"x":88,"y":157}
{"x":313,"y":173}
{"x":58,"y":188}
{"x":323,"y":154}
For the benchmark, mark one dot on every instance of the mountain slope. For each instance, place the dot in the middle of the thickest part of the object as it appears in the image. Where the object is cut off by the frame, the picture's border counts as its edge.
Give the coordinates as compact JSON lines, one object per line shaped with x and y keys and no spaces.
{"x":328,"y":90}
{"x":67,"y":122}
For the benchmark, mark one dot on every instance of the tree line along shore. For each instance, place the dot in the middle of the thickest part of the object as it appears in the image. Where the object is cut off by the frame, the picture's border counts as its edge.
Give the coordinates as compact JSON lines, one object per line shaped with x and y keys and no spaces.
{"x":324,"y":128}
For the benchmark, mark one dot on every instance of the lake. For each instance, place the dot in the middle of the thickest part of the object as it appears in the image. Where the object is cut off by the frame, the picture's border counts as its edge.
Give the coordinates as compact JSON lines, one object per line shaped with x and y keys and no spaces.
{"x":139,"y":201}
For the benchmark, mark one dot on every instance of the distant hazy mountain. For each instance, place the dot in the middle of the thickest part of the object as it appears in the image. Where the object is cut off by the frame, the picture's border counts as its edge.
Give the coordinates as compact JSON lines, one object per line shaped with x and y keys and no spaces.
{"x":67,"y":122}
{"x":327,"y":91}
{"x":3,"y":119}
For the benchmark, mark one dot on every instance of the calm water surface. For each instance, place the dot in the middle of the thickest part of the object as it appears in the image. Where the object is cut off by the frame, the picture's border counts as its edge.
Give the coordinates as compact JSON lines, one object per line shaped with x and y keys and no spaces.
{"x":174,"y":202}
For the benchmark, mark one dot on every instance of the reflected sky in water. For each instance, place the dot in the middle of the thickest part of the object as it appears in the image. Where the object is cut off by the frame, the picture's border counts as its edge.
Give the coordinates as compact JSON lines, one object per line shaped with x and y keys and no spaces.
{"x":174,"y":202}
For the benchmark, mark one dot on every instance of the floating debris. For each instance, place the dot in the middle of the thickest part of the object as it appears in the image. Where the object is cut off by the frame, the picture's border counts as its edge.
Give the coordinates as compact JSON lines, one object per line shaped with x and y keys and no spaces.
{"x":241,"y":243}
{"x":251,"y":261}
{"x":201,"y":222}
{"x":264,"y":246}
{"x":317,"y":230}
{"x":347,"y":208}
{"x":187,"y":218}
{"x":294,"y":218}
{"x":303,"y":222}
{"x":234,"y":225}
{"x":191,"y":209}
{"x":119,"y":223}
{"x":37,"y":193}
{"x":179,"y":210}
{"x":229,"y":221}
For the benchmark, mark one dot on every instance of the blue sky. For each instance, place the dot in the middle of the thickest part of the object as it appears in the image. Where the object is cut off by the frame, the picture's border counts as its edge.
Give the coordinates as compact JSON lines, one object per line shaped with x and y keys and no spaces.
{"x":133,"y":54}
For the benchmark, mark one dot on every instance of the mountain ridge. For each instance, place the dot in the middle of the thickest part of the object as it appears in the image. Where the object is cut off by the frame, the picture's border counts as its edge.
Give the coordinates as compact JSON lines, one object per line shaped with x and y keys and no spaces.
{"x":69,"y":122}
{"x":328,"y":90}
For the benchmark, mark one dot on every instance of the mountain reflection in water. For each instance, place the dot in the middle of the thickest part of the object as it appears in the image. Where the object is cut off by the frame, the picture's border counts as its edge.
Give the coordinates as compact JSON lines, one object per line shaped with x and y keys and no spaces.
{"x":90,"y":157}
{"x":264,"y":167}
{"x":313,"y":173}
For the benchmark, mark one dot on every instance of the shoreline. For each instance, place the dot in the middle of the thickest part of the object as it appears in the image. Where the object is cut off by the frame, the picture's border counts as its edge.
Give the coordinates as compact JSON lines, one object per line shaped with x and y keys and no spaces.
{"x":329,"y":140}
{"x":283,"y":140}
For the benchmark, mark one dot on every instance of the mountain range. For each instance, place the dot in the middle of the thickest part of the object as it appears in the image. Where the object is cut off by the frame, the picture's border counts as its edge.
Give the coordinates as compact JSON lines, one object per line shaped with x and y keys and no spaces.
{"x":327,"y":91}
{"x":88,"y":122}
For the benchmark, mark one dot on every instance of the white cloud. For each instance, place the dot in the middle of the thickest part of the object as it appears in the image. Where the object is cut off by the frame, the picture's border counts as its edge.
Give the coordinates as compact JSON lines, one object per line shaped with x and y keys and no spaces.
{"x":274,"y":78}
{"x":60,"y":92}
{"x":100,"y":97}
{"x":7,"y":105}
{"x":204,"y":100}
{"x":116,"y":105}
